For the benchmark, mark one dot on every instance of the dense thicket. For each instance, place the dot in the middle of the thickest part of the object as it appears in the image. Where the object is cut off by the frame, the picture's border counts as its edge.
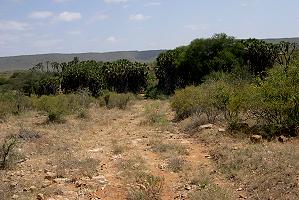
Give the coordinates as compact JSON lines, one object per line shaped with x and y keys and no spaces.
{"x":120,"y":76}
{"x":188,"y":65}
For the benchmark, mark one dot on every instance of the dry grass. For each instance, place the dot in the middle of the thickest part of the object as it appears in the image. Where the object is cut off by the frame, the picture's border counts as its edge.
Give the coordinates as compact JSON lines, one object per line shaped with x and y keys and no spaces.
{"x":71,"y":167}
{"x":177,"y":164}
{"x":155,"y":114}
{"x":117,"y":148}
{"x":159,"y":146}
{"x":211,"y":192}
{"x":146,"y":187}
{"x":266,"y":170}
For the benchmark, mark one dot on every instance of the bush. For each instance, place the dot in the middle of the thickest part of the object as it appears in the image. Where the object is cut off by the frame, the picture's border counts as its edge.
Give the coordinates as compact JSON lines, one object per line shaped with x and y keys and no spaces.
{"x":115,"y":100}
{"x":7,"y":150}
{"x":186,"y":101}
{"x":58,"y":106}
{"x":13,"y":103}
{"x":274,"y":101}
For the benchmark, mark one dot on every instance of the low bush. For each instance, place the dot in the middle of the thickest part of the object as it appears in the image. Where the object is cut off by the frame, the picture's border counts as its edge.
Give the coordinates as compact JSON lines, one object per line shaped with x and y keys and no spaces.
{"x":13,"y":103}
{"x":115,"y":100}
{"x":58,"y":106}
{"x":155,"y":114}
{"x":7,"y":150}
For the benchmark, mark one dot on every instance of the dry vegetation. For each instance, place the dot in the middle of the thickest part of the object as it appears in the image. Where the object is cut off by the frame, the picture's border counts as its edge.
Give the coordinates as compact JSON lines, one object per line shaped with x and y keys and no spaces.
{"x":137,"y":152}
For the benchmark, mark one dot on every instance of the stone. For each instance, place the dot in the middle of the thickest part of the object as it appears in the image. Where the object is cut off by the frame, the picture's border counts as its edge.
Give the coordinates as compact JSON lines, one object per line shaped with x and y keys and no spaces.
{"x":188,"y":187}
{"x":40,"y":196}
{"x":32,"y":188}
{"x":15,"y":196}
{"x":46,"y":183}
{"x":256,"y":138}
{"x":60,"y":180}
{"x":101,"y":179}
{"x":221,"y":130}
{"x":282,"y":139}
{"x":206,"y":126}
{"x":50,"y":176}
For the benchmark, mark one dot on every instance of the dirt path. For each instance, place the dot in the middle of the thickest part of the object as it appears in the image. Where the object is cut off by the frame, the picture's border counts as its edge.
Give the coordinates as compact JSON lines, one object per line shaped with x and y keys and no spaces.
{"x":81,"y":159}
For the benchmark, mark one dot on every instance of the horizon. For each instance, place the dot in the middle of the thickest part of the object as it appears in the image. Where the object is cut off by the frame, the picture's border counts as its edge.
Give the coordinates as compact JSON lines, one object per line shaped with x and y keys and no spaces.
{"x":103,"y":26}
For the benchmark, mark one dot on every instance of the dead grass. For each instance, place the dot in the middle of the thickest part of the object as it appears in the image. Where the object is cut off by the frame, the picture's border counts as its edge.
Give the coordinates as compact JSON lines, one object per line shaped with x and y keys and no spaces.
{"x":70,"y":167}
{"x":177,"y":164}
{"x":159,"y":146}
{"x":146,"y":187}
{"x":117,"y":148}
{"x":265,"y":171}
{"x":211,"y":192}
{"x":155,"y":114}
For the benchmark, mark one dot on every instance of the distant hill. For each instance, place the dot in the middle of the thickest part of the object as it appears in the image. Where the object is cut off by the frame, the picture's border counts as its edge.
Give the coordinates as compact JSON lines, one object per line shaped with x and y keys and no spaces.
{"x":277,"y":40}
{"x":28,"y":61}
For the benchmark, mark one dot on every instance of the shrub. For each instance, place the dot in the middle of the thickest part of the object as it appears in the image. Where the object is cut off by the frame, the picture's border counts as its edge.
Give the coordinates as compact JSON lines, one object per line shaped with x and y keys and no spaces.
{"x":155,"y":114}
{"x":186,"y":101}
{"x":58,"y":106}
{"x":13,"y":103}
{"x":274,"y":101}
{"x":147,"y":187}
{"x":7,"y":150}
{"x":115,"y":100}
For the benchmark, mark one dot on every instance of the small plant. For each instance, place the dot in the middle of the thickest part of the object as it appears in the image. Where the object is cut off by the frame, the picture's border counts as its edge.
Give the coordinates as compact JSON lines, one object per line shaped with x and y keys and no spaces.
{"x":146,"y":187}
{"x":211,"y":192}
{"x":176,"y":164}
{"x":55,"y":116}
{"x":117,"y":148}
{"x":170,"y":148}
{"x":115,"y":100}
{"x":155,"y":114}
{"x":7,"y":150}
{"x":83,"y":114}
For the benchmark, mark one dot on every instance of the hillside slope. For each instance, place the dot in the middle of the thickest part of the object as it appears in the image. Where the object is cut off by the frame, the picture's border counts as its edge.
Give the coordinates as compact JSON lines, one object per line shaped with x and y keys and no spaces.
{"x":27,"y":61}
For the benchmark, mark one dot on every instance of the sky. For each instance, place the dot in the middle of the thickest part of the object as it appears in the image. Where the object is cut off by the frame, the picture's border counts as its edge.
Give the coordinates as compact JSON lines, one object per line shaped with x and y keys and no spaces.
{"x":74,"y":26}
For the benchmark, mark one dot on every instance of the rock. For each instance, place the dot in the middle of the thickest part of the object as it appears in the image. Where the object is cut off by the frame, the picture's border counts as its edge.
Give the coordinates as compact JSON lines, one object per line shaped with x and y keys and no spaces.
{"x":256,"y":138}
{"x":188,"y":187}
{"x":80,"y":183}
{"x":240,"y":189}
{"x":46,"y":183}
{"x":206,"y":126}
{"x":60,"y":180}
{"x":15,"y":196}
{"x":101,"y":179}
{"x":162,"y":166}
{"x":282,"y":139}
{"x":50,"y":176}
{"x":32,"y":188}
{"x":40,"y":196}
{"x":221,"y":130}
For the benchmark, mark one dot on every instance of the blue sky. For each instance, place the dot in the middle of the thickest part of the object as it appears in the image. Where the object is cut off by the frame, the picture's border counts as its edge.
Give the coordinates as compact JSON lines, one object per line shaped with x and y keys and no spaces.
{"x":47,"y":26}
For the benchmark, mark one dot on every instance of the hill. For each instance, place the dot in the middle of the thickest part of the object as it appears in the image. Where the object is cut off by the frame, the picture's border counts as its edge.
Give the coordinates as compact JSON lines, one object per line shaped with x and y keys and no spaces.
{"x":27,"y":61}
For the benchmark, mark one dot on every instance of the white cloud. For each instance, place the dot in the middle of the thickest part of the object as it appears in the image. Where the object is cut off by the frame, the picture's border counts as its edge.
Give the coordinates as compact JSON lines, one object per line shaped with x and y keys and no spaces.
{"x":153,"y":4}
{"x":69,"y":16}
{"x":116,"y":1}
{"x":41,"y":14}
{"x":7,"y":25}
{"x":138,"y":17}
{"x":111,"y":39}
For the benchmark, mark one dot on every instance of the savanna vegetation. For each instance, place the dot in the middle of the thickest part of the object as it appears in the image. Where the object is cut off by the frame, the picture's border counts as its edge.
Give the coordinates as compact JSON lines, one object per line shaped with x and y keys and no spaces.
{"x":243,"y":87}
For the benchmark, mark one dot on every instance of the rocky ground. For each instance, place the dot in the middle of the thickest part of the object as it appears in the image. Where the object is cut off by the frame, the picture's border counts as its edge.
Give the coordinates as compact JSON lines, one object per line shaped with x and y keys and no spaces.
{"x":112,"y":154}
